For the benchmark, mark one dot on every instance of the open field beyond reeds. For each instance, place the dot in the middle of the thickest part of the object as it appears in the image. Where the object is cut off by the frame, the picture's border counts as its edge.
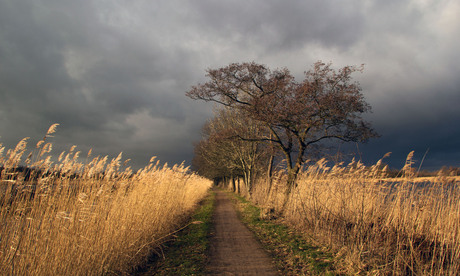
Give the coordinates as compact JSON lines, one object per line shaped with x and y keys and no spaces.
{"x":374,"y":224}
{"x":87,"y":218}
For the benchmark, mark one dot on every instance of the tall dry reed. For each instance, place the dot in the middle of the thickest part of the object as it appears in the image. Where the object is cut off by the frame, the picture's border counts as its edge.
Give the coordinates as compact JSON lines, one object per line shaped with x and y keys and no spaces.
{"x":376,"y":225}
{"x":90,"y":218}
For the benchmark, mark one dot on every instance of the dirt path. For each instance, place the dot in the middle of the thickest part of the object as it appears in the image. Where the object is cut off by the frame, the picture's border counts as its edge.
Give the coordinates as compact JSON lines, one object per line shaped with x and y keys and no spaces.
{"x":234,"y":250}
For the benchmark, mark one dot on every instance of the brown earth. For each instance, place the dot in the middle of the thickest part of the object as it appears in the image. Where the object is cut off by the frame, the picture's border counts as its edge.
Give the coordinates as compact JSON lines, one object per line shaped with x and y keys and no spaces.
{"x":234,"y":250}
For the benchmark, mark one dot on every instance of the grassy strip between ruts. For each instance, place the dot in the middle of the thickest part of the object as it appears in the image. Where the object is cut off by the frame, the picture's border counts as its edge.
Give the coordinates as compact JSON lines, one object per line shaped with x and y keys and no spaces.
{"x":292,"y":253}
{"x":187,"y":254}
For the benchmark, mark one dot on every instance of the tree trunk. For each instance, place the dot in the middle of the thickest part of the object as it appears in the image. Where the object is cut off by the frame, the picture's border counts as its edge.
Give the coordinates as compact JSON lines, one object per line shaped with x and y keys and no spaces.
{"x":292,"y":177}
{"x":270,"y":166}
{"x":293,"y":172}
{"x":237,"y":189}
{"x":270,"y":172}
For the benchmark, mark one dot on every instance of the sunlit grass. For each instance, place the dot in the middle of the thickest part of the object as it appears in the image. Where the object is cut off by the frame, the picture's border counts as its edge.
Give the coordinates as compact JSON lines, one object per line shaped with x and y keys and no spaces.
{"x":375,"y":224}
{"x":87,"y":218}
{"x":187,"y":254}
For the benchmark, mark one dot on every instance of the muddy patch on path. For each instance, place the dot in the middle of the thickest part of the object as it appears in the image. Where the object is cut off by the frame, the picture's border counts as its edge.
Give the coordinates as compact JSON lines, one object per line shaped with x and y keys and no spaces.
{"x":234,"y":250}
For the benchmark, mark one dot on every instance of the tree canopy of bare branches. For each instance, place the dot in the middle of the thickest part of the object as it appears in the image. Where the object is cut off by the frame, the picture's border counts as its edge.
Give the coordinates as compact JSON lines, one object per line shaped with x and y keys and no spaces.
{"x":327,"y":104}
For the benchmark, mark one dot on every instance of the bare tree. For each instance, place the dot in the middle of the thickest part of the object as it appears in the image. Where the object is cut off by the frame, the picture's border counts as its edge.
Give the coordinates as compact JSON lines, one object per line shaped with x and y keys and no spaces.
{"x":327,"y":104}
{"x":221,"y":146}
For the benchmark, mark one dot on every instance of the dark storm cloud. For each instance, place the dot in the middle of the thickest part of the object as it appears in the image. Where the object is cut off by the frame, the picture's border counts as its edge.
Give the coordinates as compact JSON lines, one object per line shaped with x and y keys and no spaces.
{"x":282,"y":25}
{"x":87,"y":67}
{"x":422,"y":120}
{"x":114,"y":73}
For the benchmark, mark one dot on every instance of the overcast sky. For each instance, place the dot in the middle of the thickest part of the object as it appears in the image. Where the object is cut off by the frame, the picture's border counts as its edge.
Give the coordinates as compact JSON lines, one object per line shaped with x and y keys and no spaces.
{"x":113,"y":73}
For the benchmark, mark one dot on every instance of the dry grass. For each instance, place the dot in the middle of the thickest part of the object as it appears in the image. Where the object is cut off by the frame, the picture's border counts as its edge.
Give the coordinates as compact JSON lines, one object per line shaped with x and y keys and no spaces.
{"x":376,"y":225}
{"x":94,"y":218}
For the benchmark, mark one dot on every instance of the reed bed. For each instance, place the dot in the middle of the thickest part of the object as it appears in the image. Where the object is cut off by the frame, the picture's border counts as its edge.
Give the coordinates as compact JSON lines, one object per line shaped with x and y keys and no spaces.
{"x":376,"y":225}
{"x":87,"y":218}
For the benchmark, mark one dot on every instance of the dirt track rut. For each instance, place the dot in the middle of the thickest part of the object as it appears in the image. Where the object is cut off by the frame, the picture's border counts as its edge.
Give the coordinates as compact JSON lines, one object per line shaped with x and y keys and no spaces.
{"x":234,"y":250}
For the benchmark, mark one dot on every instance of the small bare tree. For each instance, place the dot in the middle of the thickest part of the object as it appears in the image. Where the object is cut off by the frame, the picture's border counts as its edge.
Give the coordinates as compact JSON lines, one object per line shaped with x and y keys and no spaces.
{"x":221,"y":146}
